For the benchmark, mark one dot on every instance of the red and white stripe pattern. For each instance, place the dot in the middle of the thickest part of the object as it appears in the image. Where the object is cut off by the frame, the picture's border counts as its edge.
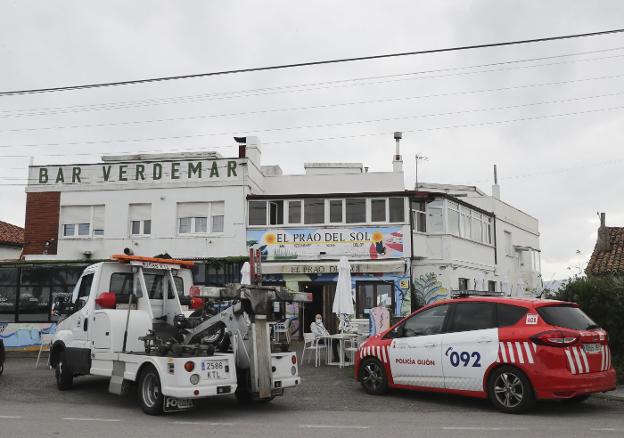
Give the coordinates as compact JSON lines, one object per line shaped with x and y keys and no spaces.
{"x":516,"y":352}
{"x":577,"y":360}
{"x":605,"y":362}
{"x":380,"y":352}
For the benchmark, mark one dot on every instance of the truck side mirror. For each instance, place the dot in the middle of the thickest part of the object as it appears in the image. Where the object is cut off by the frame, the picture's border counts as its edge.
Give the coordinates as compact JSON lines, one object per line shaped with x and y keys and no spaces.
{"x":107,"y":300}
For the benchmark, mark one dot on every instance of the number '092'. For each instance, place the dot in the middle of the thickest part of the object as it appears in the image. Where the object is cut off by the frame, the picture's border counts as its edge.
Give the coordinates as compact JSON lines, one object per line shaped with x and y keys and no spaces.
{"x":465,"y":359}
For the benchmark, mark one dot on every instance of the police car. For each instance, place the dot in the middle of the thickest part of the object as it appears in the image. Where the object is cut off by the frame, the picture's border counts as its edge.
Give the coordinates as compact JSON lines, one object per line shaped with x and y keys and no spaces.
{"x":511,"y":350}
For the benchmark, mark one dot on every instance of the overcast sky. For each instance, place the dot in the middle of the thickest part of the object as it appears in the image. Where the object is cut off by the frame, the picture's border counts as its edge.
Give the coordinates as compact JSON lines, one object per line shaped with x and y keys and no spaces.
{"x":559,"y":167}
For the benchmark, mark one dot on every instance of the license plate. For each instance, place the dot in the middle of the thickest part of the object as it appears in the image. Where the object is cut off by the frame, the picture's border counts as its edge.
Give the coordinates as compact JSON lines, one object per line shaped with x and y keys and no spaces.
{"x":215,"y":369}
{"x":591,"y":348}
{"x":173,"y":404}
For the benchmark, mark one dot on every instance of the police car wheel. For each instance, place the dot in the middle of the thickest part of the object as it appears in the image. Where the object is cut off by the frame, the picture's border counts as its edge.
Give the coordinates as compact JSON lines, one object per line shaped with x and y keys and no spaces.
{"x":1,"y":368}
{"x":373,"y":376}
{"x":510,"y":390}
{"x":151,"y":398}
{"x":63,"y":374}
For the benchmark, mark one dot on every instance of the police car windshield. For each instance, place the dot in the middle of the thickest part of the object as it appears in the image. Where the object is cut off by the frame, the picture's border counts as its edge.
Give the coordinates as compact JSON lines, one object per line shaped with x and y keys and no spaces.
{"x":567,"y":317}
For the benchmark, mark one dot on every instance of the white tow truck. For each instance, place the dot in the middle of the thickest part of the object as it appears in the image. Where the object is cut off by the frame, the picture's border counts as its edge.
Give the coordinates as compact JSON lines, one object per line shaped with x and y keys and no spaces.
{"x":129,"y":319}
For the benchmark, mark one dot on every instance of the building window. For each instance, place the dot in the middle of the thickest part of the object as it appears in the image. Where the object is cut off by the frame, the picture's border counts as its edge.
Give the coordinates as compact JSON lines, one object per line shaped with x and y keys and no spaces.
{"x":294,"y":212}
{"x":82,"y":221}
{"x":397,"y":210}
{"x":476,"y":227}
{"x":335,"y":211}
{"x":355,"y":210}
{"x":488,"y":228}
{"x":314,"y":211}
{"x":193,"y":217}
{"x":217,"y":213}
{"x":276,"y":212}
{"x":378,"y":210}
{"x":371,"y":295}
{"x":419,"y":216}
{"x":435,"y":222}
{"x":257,"y":213}
{"x":140,"y":219}
{"x":491,"y":286}
{"x":463,"y":284}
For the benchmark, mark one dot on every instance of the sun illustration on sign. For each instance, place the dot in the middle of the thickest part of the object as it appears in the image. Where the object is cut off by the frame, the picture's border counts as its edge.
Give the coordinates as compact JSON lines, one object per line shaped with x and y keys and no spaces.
{"x":377,"y":236}
{"x":270,"y":239}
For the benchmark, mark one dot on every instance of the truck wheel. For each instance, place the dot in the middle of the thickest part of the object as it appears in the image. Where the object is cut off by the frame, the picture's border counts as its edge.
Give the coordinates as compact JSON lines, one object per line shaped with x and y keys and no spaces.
{"x":373,"y":377}
{"x":510,"y":390}
{"x":63,"y":373}
{"x":151,"y":398}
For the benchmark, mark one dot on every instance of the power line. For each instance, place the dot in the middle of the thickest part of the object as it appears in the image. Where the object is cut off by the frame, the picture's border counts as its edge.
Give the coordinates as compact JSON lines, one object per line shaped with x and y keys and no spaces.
{"x":311,"y":63}
{"x":373,"y":134}
{"x":315,"y":126}
{"x":325,"y":106}
{"x":299,"y":87}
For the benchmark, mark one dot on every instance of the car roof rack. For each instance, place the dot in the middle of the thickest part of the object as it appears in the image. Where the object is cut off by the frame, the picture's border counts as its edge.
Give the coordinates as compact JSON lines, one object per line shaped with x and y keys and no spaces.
{"x":475,"y":293}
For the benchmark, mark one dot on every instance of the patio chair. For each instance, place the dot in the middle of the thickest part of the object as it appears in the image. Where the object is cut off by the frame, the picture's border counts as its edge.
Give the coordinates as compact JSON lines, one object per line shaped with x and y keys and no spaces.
{"x":282,"y":328}
{"x":310,"y":342}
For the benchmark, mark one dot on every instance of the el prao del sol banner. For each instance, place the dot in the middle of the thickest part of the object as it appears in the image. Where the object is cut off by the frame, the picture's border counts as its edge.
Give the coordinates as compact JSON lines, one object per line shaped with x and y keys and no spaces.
{"x":305,"y":243}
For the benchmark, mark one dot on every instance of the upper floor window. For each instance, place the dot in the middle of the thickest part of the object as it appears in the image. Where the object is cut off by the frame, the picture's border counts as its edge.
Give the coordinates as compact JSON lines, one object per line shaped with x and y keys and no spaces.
{"x":200,"y":217}
{"x":314,"y":211}
{"x":294,"y":212}
{"x":419,"y":216}
{"x":508,"y":244}
{"x":397,"y":209}
{"x":435,"y":222}
{"x":378,"y":210}
{"x":140,"y":219}
{"x":355,"y":209}
{"x":336,"y":213}
{"x":319,"y":211}
{"x":82,"y":221}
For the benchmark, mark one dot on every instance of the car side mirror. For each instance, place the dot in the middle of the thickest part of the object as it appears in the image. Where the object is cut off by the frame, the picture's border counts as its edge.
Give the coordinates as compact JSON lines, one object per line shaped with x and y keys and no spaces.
{"x":396,"y":332}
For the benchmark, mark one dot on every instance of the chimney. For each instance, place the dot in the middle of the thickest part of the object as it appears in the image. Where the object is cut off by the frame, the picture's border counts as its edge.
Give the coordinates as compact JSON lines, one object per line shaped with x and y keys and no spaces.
{"x":397,"y":162}
{"x":603,"y":243}
{"x":249,"y":147}
{"x":495,"y":187}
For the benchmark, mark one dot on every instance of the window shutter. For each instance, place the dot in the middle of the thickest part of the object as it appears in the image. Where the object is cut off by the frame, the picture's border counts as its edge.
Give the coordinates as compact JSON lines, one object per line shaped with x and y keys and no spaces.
{"x":217,"y":208}
{"x":192,"y":209}
{"x":98,"y":217}
{"x":76,"y":214}
{"x":140,"y":212}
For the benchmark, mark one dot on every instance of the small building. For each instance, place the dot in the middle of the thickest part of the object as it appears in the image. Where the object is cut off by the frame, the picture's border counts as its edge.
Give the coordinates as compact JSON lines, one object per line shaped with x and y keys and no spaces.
{"x":608,"y":255}
{"x":11,"y":241}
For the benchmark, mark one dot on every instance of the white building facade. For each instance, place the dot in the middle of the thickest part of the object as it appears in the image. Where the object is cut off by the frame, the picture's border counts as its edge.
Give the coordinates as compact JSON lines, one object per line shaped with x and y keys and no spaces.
{"x":406,"y":247}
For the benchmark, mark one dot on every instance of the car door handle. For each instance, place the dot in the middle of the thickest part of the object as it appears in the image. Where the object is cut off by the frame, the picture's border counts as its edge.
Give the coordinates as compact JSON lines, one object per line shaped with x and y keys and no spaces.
{"x":431,"y":345}
{"x":484,"y":341}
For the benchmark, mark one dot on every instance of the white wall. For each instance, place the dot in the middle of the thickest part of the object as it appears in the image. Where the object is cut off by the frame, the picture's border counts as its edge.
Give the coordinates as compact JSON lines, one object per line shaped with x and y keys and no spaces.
{"x":164,"y":237}
{"x":9,"y":252}
{"x":332,"y":183}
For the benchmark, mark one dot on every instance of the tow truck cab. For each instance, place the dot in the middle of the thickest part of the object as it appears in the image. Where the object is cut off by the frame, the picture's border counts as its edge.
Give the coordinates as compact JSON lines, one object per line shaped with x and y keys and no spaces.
{"x":114,"y":305}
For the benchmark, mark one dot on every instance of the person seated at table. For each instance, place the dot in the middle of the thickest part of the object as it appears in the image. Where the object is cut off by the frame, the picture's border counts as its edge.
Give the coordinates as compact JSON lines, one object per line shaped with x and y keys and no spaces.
{"x":317,"y":327}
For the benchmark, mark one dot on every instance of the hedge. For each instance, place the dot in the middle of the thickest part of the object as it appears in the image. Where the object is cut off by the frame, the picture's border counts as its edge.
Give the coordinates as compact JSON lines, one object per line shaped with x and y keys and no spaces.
{"x":602,"y":299}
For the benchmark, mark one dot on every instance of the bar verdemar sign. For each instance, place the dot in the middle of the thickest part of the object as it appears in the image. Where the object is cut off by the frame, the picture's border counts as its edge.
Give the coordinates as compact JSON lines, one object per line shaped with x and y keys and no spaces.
{"x":135,"y":172}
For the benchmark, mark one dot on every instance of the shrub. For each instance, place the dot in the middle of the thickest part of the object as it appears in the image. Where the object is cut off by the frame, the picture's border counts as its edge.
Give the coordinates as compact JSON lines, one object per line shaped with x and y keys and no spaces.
{"x":602,"y":299}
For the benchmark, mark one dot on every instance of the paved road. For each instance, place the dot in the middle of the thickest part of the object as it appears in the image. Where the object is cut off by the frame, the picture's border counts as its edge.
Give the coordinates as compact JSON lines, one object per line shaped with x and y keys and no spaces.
{"x":328,"y":404}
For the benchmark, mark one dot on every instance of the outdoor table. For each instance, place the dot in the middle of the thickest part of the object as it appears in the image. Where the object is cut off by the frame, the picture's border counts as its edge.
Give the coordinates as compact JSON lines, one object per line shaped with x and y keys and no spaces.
{"x":341,"y":338}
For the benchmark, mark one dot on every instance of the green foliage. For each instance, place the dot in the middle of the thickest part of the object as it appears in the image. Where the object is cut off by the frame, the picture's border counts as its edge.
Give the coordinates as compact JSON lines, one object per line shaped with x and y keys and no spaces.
{"x":602,"y":298}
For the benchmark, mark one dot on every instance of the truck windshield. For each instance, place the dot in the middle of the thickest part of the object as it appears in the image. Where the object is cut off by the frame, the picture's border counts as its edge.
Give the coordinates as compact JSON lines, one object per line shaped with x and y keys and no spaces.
{"x":567,"y":316}
{"x":122,"y":282}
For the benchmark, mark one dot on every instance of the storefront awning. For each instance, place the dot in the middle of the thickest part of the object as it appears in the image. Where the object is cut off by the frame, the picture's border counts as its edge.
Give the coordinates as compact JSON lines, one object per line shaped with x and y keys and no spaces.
{"x":382,"y":266}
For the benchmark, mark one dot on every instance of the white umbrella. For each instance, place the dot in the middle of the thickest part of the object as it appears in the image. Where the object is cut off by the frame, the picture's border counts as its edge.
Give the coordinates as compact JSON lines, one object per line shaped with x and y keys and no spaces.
{"x":343,"y":300}
{"x":246,"y":274}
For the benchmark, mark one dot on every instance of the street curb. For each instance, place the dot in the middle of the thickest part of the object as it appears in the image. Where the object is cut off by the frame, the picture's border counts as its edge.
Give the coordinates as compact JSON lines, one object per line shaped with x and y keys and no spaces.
{"x":607,"y":396}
